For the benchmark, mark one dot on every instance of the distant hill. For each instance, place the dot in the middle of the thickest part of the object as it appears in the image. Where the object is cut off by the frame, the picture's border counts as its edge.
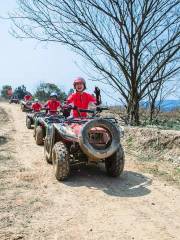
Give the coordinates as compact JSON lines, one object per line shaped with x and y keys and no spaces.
{"x":169,"y":105}
{"x":166,"y":105}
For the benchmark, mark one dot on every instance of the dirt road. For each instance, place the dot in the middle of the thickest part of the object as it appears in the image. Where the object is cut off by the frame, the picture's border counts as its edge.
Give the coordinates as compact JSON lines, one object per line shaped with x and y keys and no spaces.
{"x":90,"y":205}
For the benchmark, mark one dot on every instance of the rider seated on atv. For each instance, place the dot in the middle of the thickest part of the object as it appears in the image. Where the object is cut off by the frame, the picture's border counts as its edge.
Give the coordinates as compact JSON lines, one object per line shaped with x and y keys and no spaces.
{"x":80,"y":99}
{"x":27,"y":97}
{"x":53,"y":104}
{"x":36,"y":106}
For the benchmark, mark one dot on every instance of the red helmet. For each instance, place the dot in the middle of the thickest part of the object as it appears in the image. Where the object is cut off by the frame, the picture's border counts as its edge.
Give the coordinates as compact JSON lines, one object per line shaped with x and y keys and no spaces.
{"x":80,"y":80}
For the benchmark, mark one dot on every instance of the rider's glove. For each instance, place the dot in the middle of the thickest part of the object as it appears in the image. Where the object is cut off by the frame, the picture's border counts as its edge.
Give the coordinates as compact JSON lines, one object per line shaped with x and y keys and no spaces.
{"x":70,"y":106}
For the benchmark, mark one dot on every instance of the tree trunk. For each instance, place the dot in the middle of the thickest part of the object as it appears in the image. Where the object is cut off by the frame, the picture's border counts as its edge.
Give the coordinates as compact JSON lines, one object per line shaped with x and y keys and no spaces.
{"x":152,"y":110}
{"x":133,"y":111}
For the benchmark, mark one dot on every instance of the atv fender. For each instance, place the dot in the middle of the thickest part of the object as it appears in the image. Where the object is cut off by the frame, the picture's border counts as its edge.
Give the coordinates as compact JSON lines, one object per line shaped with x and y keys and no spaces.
{"x":65,"y":132}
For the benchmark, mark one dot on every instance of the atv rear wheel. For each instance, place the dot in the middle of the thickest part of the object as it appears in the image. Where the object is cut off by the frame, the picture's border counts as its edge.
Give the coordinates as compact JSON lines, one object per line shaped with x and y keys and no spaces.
{"x":115,"y":163}
{"x":60,"y":159}
{"x":28,"y":123}
{"x":39,"y":136}
{"x":48,"y":158}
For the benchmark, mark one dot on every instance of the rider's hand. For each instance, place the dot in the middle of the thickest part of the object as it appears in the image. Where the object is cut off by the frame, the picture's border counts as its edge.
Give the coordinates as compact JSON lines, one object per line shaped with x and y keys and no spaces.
{"x":97,"y":90}
{"x":70,"y":107}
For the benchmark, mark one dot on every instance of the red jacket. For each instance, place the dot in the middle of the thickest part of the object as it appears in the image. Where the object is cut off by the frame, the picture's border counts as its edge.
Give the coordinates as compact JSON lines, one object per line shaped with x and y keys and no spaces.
{"x":36,"y":107}
{"x":27,"y":98}
{"x":53,"y":105}
{"x":80,"y":100}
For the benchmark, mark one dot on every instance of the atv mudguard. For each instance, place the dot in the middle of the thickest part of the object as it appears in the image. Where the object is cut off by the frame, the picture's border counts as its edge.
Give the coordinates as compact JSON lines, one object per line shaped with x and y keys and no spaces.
{"x":65,"y":132}
{"x":52,"y":130}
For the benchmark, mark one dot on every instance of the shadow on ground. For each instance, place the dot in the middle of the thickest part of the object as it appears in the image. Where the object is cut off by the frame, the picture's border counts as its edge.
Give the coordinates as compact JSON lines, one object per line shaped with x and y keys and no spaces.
{"x":129,"y":184}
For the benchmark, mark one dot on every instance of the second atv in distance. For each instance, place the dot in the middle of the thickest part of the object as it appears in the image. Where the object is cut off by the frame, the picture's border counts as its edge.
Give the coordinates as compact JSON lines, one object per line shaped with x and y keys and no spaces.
{"x":31,"y":118}
{"x":43,"y":123}
{"x":25,"y":105}
{"x":79,"y":141}
{"x":14,"y":99}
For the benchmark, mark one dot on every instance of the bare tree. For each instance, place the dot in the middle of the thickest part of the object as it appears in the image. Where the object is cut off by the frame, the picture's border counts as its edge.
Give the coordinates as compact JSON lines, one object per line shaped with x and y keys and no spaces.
{"x":127,"y":42}
{"x":159,"y":91}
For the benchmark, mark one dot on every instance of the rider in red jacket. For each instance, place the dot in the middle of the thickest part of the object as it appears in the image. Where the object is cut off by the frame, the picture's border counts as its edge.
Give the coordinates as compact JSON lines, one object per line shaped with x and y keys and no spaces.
{"x":53,"y":104}
{"x":80,"y":99}
{"x":36,"y":106}
{"x":27,"y":97}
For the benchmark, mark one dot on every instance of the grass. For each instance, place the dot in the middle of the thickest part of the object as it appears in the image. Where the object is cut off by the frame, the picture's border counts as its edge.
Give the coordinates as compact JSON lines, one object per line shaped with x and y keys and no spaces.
{"x":148,"y":157}
{"x":166,"y":124}
{"x":164,"y":120}
{"x":178,"y":170}
{"x":129,"y":141}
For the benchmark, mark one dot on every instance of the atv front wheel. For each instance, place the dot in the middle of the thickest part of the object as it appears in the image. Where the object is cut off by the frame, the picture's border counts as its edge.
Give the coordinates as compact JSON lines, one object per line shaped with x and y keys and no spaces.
{"x":60,"y":159}
{"x":28,"y":123}
{"x":115,"y":163}
{"x":39,"y":137}
{"x":48,"y":158}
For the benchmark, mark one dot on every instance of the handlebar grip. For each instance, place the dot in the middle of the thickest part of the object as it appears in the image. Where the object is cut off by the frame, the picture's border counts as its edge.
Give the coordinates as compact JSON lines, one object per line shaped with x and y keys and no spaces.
{"x":86,"y":110}
{"x":102,"y":108}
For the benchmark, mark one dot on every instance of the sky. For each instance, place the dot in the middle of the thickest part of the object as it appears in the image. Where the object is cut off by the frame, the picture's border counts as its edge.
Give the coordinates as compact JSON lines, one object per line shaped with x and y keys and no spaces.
{"x":29,"y":62}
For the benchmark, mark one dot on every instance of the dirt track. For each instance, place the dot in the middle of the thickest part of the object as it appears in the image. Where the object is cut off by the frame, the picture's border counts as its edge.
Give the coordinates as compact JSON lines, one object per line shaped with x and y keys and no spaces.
{"x":33,"y":205}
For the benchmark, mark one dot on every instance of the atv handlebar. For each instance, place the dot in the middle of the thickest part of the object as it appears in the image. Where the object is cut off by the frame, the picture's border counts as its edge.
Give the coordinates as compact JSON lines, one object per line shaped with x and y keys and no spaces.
{"x":47,"y":109}
{"x":102,"y":109}
{"x":85,"y":110}
{"x":97,"y":109}
{"x":67,"y":108}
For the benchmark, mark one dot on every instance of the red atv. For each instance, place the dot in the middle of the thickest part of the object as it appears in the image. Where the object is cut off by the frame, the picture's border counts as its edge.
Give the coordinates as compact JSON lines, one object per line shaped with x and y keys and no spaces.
{"x":82,"y":141}
{"x":26,"y":106}
{"x":43,"y":122}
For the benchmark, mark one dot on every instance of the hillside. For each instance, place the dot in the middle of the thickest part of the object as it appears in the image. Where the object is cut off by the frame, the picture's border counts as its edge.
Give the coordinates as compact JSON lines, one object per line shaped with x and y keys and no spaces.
{"x":166,"y":105}
{"x":169,"y":105}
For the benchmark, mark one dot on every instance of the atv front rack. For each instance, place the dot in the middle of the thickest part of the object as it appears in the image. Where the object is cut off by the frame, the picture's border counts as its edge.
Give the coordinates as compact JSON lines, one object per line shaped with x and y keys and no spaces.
{"x":84,"y":120}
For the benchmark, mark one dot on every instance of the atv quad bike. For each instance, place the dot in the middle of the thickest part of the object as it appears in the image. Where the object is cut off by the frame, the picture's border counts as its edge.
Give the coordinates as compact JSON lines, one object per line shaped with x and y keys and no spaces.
{"x":14,"y":99}
{"x":42,"y":123}
{"x":83,"y":141}
{"x":32,"y":116}
{"x":26,"y":106}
